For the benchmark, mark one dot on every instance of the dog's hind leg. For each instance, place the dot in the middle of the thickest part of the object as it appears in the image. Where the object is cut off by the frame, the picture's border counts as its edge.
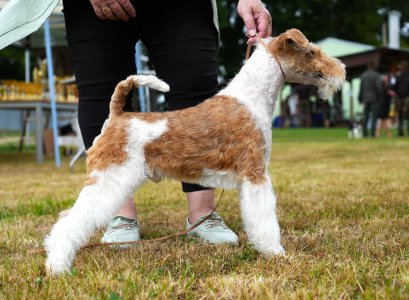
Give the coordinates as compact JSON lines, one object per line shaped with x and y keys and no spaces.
{"x":257,"y":204}
{"x":95,"y":206}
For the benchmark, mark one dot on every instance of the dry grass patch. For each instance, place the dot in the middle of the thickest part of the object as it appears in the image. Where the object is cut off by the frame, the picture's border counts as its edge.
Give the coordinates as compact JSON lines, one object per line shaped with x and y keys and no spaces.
{"x":343,"y":208}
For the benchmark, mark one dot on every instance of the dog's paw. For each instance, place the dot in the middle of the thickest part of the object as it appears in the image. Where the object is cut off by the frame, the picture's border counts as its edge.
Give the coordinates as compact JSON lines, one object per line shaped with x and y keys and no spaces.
{"x":273,"y":251}
{"x":279,"y":250}
{"x":54,"y":268}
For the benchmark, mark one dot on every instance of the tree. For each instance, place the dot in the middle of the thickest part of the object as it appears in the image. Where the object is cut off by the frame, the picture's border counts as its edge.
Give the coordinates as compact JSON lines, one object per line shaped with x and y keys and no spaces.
{"x":359,"y":21}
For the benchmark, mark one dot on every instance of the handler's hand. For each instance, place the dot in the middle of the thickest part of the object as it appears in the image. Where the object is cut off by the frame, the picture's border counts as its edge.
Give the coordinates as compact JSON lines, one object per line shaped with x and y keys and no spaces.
{"x":113,"y":9}
{"x":256,"y":18}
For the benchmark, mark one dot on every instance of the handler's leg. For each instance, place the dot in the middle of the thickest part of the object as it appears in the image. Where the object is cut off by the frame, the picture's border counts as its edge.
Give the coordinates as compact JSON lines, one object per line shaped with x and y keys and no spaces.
{"x":183,"y":43}
{"x":200,"y":203}
{"x":102,"y":52}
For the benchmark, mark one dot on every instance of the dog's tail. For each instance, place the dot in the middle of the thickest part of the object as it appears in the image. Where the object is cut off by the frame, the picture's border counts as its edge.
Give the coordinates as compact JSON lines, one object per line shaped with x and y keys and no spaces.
{"x":125,"y":86}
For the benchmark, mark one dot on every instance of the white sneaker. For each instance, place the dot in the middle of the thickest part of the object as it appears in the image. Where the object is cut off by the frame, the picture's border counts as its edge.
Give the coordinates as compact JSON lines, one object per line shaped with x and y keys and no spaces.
{"x":213,"y":231}
{"x":121,"y":229}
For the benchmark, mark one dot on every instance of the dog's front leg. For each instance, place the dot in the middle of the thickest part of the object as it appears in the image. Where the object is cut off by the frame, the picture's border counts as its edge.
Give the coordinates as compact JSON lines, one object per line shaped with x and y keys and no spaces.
{"x":257,"y":203}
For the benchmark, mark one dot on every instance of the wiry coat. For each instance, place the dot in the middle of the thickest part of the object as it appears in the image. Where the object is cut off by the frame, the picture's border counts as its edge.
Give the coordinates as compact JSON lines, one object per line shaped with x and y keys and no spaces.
{"x":223,"y":142}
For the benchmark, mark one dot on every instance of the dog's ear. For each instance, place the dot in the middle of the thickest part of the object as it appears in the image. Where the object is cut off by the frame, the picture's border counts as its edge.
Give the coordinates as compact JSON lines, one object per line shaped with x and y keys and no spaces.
{"x":290,"y":41}
{"x":285,"y":43}
{"x":291,"y":44}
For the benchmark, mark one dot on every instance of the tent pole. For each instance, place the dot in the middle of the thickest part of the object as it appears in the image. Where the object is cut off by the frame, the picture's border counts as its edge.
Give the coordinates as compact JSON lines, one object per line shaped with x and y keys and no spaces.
{"x":27,"y":64}
{"x":141,"y":92}
{"x":50,"y":71}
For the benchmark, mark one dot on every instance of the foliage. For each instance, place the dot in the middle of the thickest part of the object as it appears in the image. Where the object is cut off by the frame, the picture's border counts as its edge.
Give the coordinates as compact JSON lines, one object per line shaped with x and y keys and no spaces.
{"x":359,"y":21}
{"x":12,"y":63}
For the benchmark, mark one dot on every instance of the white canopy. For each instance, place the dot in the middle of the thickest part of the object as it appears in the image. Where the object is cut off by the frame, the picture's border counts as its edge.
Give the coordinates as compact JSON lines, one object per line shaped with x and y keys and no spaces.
{"x":21,"y":21}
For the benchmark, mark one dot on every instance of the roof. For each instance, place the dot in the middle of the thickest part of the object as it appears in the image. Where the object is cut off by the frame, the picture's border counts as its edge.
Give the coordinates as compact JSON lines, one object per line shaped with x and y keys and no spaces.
{"x":337,"y":47}
{"x":356,"y":56}
{"x":386,"y":58}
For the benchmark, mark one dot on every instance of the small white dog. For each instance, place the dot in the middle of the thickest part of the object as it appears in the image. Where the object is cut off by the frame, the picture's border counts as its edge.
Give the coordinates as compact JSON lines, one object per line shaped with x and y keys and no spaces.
{"x":223,"y":142}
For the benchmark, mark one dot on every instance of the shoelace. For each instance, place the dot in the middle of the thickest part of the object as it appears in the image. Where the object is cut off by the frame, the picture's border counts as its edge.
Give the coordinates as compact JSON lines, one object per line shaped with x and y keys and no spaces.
{"x":215,"y":221}
{"x":127,"y":226}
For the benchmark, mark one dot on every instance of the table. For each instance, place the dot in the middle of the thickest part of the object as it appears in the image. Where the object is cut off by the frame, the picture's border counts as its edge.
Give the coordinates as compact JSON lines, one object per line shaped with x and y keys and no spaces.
{"x":40,"y":107}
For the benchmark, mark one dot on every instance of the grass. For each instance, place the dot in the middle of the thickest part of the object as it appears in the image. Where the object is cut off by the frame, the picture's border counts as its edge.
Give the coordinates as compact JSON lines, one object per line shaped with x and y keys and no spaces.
{"x":343,"y":208}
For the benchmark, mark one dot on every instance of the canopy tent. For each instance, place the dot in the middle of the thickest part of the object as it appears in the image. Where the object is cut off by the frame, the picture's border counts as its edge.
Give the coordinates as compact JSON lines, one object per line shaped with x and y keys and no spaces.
{"x":337,"y":47}
{"x":30,"y":15}
{"x":35,"y":41}
{"x":386,"y":59}
{"x":57,"y":33}
{"x":356,"y":56}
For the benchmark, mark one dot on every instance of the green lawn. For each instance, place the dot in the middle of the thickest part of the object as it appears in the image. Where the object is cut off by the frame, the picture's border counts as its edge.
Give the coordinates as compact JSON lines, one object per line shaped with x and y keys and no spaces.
{"x":343,"y":207}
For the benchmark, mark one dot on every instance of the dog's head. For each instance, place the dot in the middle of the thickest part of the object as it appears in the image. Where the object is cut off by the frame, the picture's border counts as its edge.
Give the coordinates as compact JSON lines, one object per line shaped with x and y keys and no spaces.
{"x":304,"y":62}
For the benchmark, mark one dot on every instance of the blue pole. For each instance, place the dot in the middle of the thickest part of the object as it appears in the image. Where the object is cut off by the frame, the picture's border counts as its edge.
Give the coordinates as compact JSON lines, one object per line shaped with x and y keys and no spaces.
{"x":141,"y":93}
{"x":51,"y":87}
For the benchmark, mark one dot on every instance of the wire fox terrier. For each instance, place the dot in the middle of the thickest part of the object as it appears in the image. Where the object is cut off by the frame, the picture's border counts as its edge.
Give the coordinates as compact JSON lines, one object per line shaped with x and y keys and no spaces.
{"x":224,"y":142}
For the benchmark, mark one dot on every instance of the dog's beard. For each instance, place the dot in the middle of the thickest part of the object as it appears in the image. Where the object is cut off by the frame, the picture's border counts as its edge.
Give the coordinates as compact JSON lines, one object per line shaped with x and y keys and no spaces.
{"x":331,"y":85}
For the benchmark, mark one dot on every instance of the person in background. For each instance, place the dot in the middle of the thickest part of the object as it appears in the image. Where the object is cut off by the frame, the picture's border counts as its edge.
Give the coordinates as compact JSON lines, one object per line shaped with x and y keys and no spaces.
{"x":402,"y":99}
{"x":304,"y":105}
{"x":181,"y":37}
{"x":370,"y":96}
{"x":384,"y":121}
{"x":293,"y":108}
{"x":290,"y":109}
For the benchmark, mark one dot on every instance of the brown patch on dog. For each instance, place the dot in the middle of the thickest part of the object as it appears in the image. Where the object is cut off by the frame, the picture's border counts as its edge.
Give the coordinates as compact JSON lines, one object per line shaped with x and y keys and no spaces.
{"x":118,"y":98}
{"x":109,"y":148}
{"x":219,"y":134}
{"x":147,"y":117}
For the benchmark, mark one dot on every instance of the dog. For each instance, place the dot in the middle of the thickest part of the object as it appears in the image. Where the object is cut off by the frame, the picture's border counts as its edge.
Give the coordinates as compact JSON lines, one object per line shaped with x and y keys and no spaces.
{"x":224,"y":142}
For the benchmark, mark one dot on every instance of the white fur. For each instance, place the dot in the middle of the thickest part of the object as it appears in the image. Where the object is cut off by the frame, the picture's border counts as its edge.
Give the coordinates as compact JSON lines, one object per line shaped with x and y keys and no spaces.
{"x":257,"y":86}
{"x":332,"y":85}
{"x":219,"y":179}
{"x":150,"y":81}
{"x":257,"y":206}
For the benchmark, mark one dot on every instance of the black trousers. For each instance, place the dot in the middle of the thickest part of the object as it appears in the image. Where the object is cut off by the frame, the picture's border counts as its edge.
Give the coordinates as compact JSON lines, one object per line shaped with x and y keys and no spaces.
{"x":181,"y":40}
{"x":370,"y":113}
{"x":402,"y":109}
